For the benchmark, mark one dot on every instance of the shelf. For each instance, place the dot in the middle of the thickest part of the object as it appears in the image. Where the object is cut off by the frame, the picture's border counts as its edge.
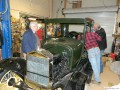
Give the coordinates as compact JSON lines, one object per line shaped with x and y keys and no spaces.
{"x":116,"y":35}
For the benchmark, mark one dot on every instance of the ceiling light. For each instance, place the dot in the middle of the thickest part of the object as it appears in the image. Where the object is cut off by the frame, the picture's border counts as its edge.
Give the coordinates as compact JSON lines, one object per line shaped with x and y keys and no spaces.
{"x":32,"y":19}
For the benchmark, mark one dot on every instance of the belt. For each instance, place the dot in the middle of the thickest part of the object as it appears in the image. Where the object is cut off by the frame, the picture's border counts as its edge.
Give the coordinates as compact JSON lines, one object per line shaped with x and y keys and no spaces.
{"x":92,"y":47}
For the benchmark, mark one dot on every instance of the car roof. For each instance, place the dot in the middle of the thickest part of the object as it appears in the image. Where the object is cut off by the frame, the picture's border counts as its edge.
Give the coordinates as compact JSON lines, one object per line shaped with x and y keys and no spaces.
{"x":67,"y":20}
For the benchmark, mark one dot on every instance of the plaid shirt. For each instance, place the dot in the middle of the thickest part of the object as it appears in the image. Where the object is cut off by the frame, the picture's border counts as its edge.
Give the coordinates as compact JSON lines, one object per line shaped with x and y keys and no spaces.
{"x":91,"y":40}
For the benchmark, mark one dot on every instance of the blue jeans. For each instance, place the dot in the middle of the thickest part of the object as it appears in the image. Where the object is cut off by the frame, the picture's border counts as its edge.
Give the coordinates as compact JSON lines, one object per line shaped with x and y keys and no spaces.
{"x":94,"y":58}
{"x":101,"y":63}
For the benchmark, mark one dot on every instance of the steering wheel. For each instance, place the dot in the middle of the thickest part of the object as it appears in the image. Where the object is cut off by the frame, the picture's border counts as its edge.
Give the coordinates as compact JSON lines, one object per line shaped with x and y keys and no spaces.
{"x":73,"y":34}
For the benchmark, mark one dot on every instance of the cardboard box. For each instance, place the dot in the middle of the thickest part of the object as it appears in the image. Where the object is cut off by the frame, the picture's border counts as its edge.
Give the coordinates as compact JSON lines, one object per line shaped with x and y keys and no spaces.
{"x":76,"y":4}
{"x":118,"y":2}
{"x":104,"y":60}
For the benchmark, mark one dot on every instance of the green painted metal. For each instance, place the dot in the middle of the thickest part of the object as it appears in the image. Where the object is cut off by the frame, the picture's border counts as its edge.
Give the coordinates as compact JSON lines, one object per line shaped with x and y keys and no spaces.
{"x":64,"y":45}
{"x":68,"y":46}
{"x":66,"y":20}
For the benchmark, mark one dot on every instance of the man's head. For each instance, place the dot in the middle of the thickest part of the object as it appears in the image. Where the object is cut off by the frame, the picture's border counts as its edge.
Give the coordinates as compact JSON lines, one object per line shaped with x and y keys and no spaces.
{"x":34,"y":26}
{"x":96,"y":26}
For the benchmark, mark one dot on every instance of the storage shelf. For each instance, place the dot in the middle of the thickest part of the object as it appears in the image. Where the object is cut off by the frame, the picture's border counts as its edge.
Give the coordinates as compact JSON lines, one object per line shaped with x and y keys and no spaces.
{"x":116,"y":35}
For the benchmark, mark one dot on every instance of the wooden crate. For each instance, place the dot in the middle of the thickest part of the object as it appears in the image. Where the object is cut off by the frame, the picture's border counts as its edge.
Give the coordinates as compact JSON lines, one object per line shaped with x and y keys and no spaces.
{"x":76,"y":4}
{"x":118,"y":2}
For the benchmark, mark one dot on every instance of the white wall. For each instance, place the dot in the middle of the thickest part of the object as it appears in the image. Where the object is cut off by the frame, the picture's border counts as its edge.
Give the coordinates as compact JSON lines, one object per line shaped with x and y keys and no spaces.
{"x":118,"y":20}
{"x":57,"y":8}
{"x":85,"y":3}
{"x":41,"y":8}
{"x":95,"y":3}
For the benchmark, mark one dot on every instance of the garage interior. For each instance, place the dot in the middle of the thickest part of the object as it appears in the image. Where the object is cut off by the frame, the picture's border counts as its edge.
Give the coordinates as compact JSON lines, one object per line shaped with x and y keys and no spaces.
{"x":104,"y":12}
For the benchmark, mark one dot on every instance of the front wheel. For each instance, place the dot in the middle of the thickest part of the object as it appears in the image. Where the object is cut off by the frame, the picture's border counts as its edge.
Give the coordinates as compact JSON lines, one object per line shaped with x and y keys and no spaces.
{"x":9,"y":80}
{"x":57,"y":87}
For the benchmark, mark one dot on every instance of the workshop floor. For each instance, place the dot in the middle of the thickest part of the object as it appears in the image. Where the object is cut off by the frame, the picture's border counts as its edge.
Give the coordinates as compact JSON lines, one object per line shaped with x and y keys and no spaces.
{"x":108,"y":79}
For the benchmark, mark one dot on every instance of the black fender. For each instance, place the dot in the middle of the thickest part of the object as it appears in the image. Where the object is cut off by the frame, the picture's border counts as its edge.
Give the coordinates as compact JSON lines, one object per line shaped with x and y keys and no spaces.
{"x":17,"y":65}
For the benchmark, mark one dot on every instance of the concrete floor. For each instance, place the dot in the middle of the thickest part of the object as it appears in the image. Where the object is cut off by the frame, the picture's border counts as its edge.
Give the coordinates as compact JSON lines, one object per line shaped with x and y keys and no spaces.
{"x":108,"y":79}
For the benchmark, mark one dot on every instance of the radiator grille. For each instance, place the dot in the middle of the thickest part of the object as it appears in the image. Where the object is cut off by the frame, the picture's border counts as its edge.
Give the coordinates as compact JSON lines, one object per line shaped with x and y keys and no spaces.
{"x":38,"y":69}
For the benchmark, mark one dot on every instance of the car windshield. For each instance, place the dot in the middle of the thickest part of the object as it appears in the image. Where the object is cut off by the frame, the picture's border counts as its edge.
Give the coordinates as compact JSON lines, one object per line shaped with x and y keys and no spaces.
{"x":62,"y":27}
{"x":55,"y":30}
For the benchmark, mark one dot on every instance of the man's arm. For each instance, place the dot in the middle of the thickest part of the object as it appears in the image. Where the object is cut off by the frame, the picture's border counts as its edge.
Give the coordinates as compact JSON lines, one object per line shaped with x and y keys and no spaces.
{"x":97,"y":37}
{"x":25,"y":44}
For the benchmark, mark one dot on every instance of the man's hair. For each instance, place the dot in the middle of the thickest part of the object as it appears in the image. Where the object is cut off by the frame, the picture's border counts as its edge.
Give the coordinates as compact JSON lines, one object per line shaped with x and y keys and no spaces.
{"x":32,"y":24}
{"x":97,"y":25}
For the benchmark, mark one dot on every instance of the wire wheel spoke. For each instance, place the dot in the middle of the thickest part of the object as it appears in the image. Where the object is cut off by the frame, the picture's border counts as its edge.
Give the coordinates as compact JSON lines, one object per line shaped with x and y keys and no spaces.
{"x":58,"y":89}
{"x":8,"y":80}
{"x":6,"y":77}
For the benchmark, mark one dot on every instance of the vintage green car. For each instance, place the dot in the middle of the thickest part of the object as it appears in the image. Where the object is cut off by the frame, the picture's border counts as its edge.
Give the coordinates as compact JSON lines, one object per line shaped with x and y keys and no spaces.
{"x":61,"y":63}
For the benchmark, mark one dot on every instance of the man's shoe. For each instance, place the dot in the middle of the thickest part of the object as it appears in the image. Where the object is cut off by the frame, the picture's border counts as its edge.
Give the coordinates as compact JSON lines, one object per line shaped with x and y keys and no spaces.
{"x":95,"y":82}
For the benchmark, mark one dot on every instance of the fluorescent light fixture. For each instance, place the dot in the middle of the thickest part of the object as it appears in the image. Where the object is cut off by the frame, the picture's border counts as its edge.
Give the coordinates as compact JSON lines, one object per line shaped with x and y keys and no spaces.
{"x":32,"y":18}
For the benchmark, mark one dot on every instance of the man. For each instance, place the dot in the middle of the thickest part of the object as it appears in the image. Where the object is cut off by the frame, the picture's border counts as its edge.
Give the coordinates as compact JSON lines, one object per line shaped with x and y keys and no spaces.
{"x":103,"y":44}
{"x":93,"y":53}
{"x":30,"y":41}
{"x":40,"y":34}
